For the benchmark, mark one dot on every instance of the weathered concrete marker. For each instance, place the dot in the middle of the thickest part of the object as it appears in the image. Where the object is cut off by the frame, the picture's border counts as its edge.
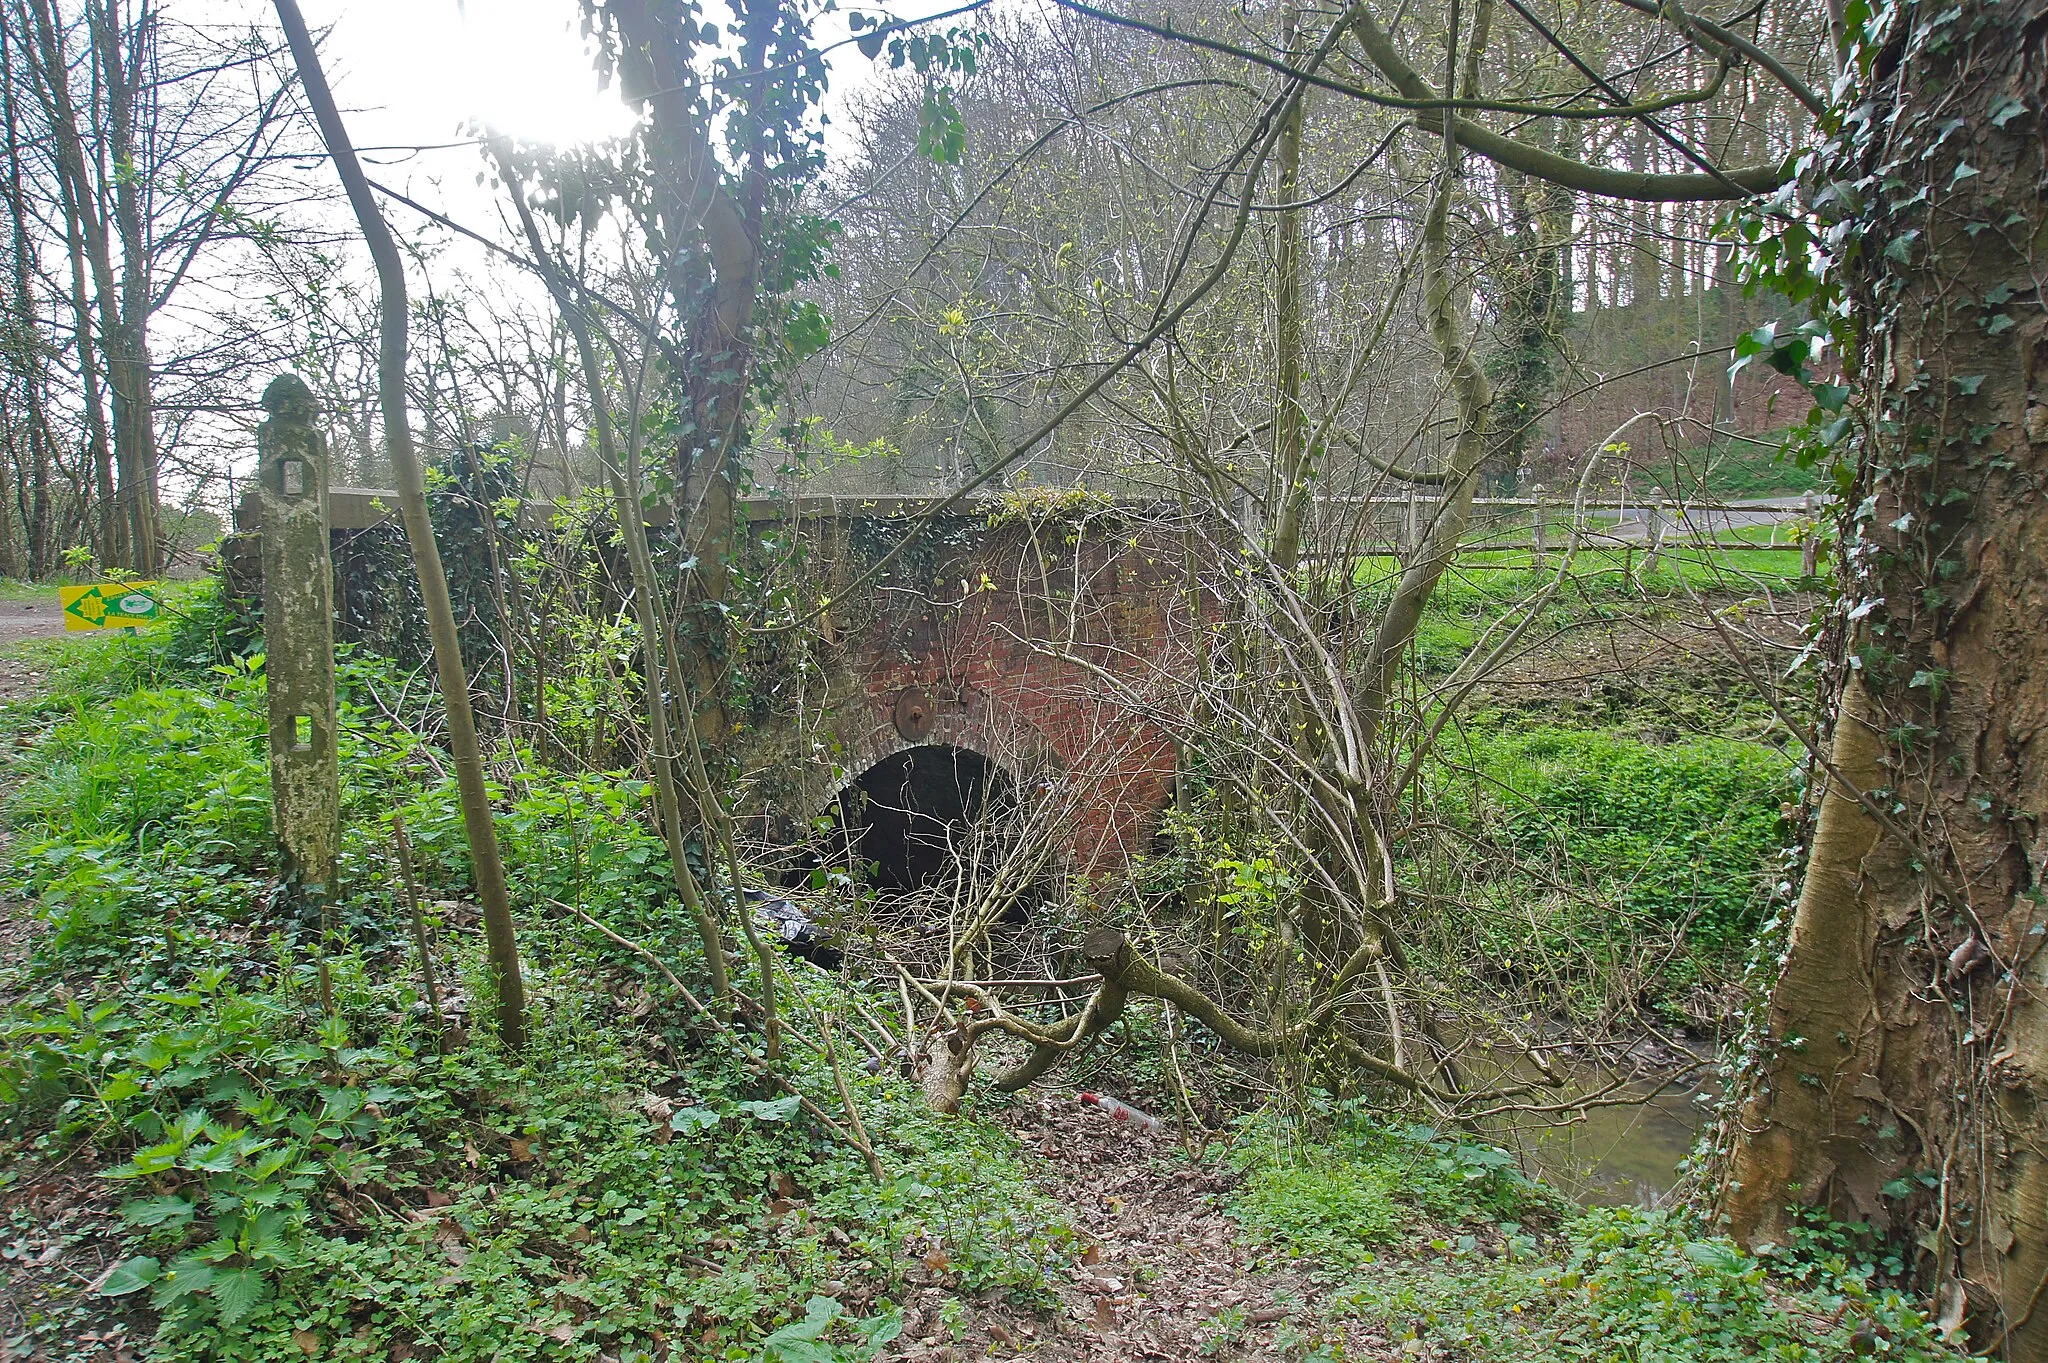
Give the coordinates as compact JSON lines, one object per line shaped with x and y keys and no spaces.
{"x":298,"y":636}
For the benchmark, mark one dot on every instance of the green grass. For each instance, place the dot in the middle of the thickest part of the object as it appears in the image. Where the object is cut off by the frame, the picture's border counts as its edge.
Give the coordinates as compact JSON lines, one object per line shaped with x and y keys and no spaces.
{"x":1340,"y":1199}
{"x":1484,"y":586}
{"x":1504,"y":576}
{"x":1596,"y":872}
{"x":1703,"y":692}
{"x":1440,"y":1240}
{"x":21,"y":590}
{"x":297,"y":1179}
{"x":1648,"y":1287}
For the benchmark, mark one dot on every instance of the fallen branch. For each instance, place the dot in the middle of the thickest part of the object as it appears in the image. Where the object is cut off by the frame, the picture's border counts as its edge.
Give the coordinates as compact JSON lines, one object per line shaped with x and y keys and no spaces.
{"x":1104,"y":1007}
{"x":1111,"y":952}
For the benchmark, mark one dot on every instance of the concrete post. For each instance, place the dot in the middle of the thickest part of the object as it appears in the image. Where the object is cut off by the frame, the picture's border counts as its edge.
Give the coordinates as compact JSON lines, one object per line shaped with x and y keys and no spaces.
{"x":1539,"y":524}
{"x":298,"y":637}
{"x":1409,"y":536}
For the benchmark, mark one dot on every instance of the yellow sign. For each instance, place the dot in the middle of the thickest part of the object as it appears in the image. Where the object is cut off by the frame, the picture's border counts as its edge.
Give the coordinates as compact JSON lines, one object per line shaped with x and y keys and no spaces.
{"x":109,"y":605}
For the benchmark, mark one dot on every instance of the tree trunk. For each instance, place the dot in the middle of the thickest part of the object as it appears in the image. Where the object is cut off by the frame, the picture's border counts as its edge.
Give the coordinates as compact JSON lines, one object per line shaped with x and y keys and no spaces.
{"x":1290,"y":456}
{"x":655,"y":77}
{"x":25,"y":339}
{"x":488,"y":870}
{"x":1904,"y":1076}
{"x":98,"y":474}
{"x":129,"y":367}
{"x":1444,"y":306}
{"x":84,"y":212}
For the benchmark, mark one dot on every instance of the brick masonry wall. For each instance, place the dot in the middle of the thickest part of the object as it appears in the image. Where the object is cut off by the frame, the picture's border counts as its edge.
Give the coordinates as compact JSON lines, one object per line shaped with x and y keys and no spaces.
{"x":1047,"y":646}
{"x":1050,"y":645}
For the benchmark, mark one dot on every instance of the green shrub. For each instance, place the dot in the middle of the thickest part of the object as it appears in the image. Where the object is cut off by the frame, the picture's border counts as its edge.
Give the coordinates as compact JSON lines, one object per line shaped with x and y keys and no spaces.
{"x":294,"y":1175}
{"x":1675,"y":834}
{"x":1331,"y":1210}
{"x":206,"y":626}
{"x":1596,"y":871}
{"x":1336,"y":1199}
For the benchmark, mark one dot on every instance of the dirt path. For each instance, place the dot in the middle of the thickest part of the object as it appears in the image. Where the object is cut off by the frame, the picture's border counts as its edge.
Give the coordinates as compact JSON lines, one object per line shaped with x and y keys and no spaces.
{"x":1165,"y":1273}
{"x":30,"y":619}
{"x":24,"y":620}
{"x":57,"y":1216}
{"x":19,"y":680}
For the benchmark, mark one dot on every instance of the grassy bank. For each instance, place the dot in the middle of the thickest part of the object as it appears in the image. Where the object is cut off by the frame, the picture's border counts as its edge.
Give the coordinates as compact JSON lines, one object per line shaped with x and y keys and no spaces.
{"x":278,"y":1177}
{"x":361,"y":1182}
{"x":1446,"y":1251}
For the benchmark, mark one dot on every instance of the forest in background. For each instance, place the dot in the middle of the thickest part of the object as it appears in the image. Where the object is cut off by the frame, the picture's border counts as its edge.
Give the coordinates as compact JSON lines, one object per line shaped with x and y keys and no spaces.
{"x":148,"y":308}
{"x":1465,"y":842}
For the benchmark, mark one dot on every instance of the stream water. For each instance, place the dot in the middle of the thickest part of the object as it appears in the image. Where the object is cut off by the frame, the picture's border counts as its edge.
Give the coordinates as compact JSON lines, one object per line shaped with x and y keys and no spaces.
{"x":1627,"y":1153}
{"x":1617,"y":1155}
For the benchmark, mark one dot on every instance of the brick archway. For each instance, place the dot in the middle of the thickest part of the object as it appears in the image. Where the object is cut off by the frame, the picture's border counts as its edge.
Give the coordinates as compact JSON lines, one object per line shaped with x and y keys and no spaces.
{"x":1049,"y":647}
{"x":1010,"y":741}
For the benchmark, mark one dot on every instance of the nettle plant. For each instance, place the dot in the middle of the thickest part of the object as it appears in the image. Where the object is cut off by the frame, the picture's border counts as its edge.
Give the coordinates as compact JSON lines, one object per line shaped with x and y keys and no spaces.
{"x":239,"y":1119}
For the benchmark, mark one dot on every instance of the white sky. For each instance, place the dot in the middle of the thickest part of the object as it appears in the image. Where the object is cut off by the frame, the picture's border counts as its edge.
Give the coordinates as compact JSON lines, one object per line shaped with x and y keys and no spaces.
{"x":414,"y":71}
{"x":410,"y":72}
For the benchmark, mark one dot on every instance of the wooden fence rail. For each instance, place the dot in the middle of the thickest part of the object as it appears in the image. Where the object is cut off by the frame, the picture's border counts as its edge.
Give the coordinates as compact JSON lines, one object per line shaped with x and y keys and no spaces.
{"x":1537,"y":523}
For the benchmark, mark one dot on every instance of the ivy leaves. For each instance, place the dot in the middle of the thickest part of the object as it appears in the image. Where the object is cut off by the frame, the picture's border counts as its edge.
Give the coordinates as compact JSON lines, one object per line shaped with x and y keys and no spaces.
{"x":941,"y":132}
{"x":1791,"y":352}
{"x":953,"y":52}
{"x":1795,"y":352}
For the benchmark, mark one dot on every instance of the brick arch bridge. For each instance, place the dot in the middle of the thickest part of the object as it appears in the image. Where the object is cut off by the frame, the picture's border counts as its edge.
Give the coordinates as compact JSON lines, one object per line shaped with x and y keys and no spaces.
{"x":1033,"y":639}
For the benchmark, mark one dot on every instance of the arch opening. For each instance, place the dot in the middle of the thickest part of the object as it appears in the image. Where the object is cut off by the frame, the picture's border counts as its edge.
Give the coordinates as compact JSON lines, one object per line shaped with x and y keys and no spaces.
{"x":905,"y":822}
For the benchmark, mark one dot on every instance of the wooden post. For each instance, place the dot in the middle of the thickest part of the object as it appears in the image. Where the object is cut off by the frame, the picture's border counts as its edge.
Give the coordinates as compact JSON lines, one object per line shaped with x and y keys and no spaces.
{"x":1809,"y":548}
{"x":1539,"y":526}
{"x":298,"y":638}
{"x":1654,"y":554}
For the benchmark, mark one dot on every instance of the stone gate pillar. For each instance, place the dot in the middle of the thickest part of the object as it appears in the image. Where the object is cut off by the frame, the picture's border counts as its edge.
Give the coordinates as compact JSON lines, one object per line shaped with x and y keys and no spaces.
{"x":298,"y":636}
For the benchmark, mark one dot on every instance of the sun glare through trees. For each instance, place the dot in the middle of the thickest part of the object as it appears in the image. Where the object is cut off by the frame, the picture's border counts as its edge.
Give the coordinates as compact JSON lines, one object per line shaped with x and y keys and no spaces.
{"x":795,"y":682}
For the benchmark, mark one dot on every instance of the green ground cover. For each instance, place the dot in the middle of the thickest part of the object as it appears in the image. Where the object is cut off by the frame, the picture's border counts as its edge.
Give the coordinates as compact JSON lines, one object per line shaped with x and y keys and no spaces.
{"x":1612,"y":838}
{"x":297,"y":1181}
{"x":1486,"y":590}
{"x":1440,"y":1242}
{"x":1600,"y":872}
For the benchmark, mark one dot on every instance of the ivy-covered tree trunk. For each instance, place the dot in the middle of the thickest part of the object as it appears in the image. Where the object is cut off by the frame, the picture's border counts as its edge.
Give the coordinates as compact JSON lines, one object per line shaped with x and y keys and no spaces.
{"x":1904,"y":1075}
{"x":712,"y":231}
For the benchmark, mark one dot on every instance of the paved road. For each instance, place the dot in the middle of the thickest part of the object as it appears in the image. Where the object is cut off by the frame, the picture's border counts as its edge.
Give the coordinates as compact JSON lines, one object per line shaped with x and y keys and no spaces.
{"x":1634,"y":523}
